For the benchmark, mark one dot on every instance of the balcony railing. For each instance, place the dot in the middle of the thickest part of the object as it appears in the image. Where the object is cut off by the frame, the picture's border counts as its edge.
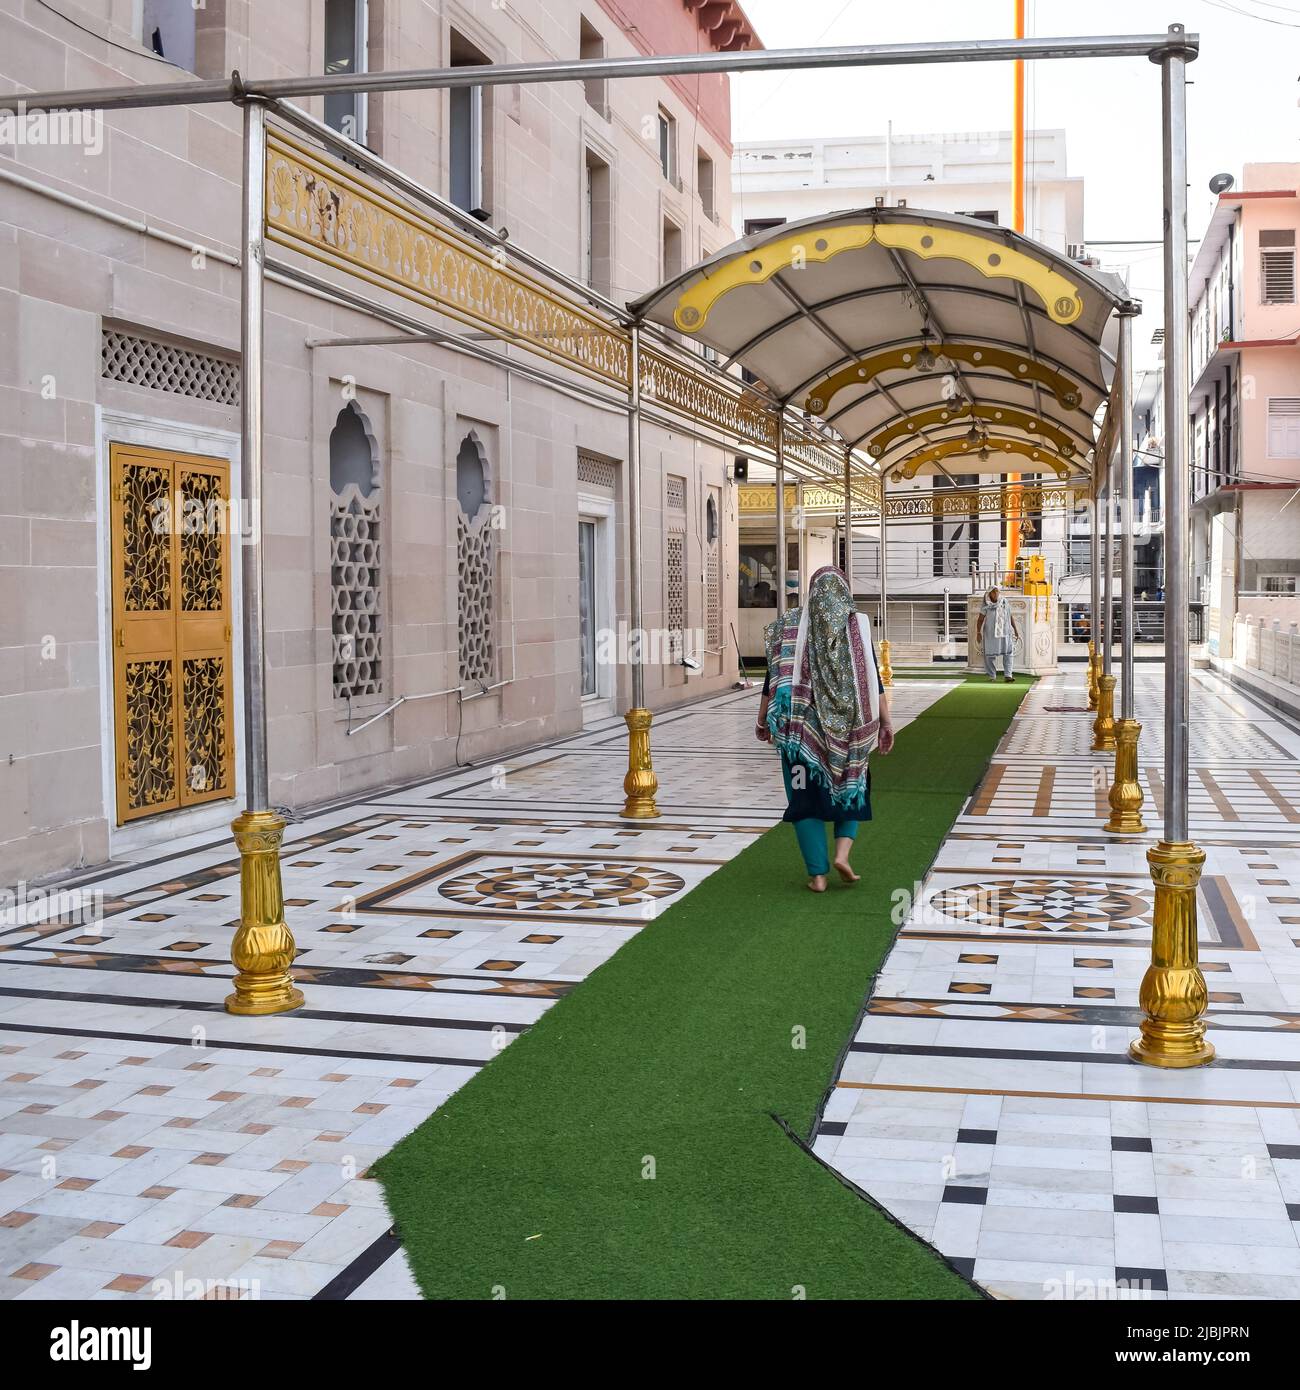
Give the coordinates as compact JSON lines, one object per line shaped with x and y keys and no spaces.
{"x":1265,"y":645}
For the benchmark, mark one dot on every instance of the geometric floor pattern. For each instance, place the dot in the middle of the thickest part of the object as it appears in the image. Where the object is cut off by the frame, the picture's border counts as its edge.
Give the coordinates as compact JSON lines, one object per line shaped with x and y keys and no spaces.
{"x":987,"y":1099}
{"x":152,"y":1145}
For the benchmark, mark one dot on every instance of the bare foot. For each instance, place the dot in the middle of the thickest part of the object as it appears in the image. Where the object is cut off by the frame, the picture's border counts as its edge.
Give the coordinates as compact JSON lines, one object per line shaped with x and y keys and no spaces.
{"x":845,"y":871}
{"x":817,"y":883}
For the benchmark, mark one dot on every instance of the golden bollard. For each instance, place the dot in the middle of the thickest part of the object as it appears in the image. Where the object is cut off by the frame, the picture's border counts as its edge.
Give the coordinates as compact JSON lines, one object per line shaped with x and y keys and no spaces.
{"x":263,"y":948}
{"x":1092,"y":675}
{"x":1125,"y":790}
{"x":1173,"y":994}
{"x":1103,"y":727}
{"x":640,"y":784}
{"x":886,"y":670}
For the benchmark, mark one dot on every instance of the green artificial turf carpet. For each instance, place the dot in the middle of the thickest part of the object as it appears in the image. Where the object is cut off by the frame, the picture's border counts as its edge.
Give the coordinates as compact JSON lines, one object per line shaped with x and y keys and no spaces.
{"x":626,"y":1146}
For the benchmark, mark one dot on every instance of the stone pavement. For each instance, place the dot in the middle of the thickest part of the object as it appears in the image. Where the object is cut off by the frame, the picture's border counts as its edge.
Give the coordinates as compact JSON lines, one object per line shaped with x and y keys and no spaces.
{"x":152,"y":1145}
{"x":987,"y":1099}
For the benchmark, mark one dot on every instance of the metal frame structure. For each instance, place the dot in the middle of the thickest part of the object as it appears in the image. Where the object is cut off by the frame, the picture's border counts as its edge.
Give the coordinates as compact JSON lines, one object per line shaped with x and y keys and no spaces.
{"x":1173,"y":992}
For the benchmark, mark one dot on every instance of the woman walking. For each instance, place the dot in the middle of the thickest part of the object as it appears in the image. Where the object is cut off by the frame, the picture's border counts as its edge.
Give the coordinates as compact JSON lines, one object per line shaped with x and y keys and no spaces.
{"x":824,"y":707}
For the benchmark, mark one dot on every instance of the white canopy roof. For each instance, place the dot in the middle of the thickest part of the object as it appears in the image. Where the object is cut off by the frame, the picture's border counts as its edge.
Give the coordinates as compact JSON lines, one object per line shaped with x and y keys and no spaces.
{"x":834,"y":315}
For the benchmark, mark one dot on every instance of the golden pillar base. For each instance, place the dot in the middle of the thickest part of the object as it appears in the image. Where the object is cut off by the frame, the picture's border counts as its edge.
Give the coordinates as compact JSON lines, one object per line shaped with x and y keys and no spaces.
{"x":1103,"y":727}
{"x":262,"y":950}
{"x":886,"y":670}
{"x":1125,"y":790}
{"x":1173,"y":994}
{"x":640,"y":784}
{"x":1093,"y":691}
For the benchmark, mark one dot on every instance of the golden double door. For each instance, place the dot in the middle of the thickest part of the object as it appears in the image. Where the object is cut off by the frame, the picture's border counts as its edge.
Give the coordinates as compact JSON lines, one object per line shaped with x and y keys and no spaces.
{"x":171,"y":630}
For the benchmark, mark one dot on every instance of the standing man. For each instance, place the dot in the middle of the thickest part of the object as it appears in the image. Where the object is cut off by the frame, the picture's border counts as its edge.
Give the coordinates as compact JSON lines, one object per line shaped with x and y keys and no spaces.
{"x":996,"y":632}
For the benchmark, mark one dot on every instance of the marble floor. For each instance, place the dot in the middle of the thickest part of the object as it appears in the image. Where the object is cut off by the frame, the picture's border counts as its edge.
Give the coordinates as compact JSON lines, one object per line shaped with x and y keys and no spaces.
{"x":152,"y":1145}
{"x":987,"y":1099}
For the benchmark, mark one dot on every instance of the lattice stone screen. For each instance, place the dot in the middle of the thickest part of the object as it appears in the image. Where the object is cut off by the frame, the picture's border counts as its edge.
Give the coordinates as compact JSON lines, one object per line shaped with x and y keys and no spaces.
{"x":475,"y":564}
{"x":675,"y":587}
{"x":594,"y":471}
{"x":164,"y":367}
{"x":675,"y":493}
{"x":355,"y":558}
{"x":713,"y":574}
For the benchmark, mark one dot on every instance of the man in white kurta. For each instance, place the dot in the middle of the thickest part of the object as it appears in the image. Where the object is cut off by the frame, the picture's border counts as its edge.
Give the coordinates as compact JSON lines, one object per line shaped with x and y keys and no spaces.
{"x":996,"y":631}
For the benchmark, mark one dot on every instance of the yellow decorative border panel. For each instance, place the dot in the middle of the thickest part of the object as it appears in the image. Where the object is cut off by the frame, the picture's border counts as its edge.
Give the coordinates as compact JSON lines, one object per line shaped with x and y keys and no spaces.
{"x":317,"y":205}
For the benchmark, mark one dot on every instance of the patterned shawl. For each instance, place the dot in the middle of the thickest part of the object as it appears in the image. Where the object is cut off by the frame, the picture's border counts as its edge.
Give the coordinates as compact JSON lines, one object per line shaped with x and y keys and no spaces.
{"x":825,"y":688}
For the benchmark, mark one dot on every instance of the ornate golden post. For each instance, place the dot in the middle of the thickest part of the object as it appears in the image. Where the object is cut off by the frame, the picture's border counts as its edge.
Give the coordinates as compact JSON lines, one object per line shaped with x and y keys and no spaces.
{"x":262,"y":949}
{"x":1173,"y":993}
{"x":886,"y":670}
{"x":1103,"y":727}
{"x":1125,"y":791}
{"x":640,"y":784}
{"x":1092,"y":675}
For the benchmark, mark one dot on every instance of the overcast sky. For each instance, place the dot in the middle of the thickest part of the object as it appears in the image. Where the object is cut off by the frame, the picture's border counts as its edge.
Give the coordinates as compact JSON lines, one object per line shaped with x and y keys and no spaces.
{"x":1242,"y":104}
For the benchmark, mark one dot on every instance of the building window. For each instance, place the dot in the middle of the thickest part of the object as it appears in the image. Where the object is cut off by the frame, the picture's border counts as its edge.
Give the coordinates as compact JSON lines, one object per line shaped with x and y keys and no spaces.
{"x":704,"y":185}
{"x":1277,"y":267}
{"x":345,"y":51}
{"x":467,"y":159}
{"x":475,"y":562}
{"x":167,"y":28}
{"x":671,"y":259}
{"x":355,"y":556}
{"x":591,"y":48}
{"x":667,"y":146}
{"x":1277,"y":583}
{"x":1284,"y":427}
{"x":598,"y":224}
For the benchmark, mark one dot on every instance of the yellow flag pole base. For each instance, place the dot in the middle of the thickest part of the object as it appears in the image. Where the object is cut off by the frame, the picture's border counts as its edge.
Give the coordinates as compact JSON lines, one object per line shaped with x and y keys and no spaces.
{"x":1103,"y":727}
{"x":886,"y":670}
{"x":640,"y":784}
{"x":1125,"y":791}
{"x":1173,"y":993}
{"x":1092,"y":675}
{"x":262,"y":950}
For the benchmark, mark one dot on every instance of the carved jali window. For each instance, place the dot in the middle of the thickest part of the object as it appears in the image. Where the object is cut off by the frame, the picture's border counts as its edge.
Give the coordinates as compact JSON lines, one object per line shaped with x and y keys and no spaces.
{"x":675,"y":561}
{"x":712,"y":572}
{"x":355,"y":557}
{"x":475,"y":563}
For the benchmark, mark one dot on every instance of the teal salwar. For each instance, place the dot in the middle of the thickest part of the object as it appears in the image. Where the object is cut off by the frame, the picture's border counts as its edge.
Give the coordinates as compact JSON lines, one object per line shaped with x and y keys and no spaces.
{"x":811,"y":831}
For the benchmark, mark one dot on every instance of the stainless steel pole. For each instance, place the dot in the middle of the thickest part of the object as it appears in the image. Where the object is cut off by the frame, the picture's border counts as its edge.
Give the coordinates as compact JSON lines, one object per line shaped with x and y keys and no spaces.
{"x":884,"y":570}
{"x":1177,"y":445}
{"x":252,"y":331}
{"x":1108,"y":574}
{"x":1173,"y":993}
{"x":262,"y":948}
{"x":781,"y":567}
{"x":1126,"y":514}
{"x":636,"y":653}
{"x":640,"y":784}
{"x":848,"y":516}
{"x":1094,"y":565}
{"x":236,"y":88}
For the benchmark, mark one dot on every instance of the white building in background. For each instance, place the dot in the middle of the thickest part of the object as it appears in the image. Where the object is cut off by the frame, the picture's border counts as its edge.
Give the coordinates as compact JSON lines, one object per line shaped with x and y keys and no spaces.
{"x":929,"y":563}
{"x":967,"y":173}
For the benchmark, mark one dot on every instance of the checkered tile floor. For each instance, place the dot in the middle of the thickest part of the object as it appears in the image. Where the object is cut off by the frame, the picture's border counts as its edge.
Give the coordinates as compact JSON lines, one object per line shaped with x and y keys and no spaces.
{"x":987,"y":1099}
{"x":153,"y":1145}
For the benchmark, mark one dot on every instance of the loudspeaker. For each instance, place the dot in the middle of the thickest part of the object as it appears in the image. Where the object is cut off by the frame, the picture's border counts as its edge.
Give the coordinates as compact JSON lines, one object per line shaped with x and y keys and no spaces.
{"x":740,"y":469}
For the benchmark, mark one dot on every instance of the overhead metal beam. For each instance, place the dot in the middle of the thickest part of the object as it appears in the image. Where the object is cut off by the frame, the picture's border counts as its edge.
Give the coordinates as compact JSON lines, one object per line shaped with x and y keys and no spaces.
{"x":237,"y":88}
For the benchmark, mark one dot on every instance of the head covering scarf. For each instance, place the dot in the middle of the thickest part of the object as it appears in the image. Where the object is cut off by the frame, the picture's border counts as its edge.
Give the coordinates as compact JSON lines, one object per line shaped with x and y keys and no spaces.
{"x":825,"y":687}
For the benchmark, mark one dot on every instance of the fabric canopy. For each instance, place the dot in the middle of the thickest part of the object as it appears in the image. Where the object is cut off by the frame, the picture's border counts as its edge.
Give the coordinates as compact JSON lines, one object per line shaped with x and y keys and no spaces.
{"x":933,"y":343}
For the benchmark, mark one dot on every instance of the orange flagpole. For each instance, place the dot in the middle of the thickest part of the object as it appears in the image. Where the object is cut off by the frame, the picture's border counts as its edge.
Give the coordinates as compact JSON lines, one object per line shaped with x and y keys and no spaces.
{"x":1018,"y":224}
